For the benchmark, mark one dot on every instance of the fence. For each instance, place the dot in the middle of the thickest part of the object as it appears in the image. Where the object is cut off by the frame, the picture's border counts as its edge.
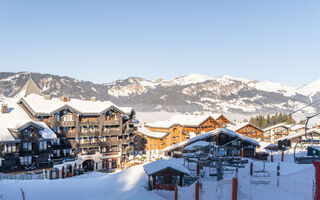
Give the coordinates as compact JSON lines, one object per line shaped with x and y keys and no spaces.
{"x":21,"y":176}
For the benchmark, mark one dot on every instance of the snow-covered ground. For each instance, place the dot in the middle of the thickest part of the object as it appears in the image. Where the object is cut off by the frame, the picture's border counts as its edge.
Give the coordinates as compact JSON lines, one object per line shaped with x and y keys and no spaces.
{"x":295,"y":183}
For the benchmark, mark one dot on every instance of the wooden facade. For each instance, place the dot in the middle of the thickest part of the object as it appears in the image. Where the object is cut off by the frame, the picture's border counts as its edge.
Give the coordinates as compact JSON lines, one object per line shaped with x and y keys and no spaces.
{"x":178,"y":133}
{"x":28,"y":152}
{"x":223,"y":120}
{"x":251,"y":131}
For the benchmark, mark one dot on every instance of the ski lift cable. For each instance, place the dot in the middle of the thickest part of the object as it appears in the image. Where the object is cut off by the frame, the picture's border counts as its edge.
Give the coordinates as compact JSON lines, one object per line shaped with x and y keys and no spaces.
{"x":282,"y":118}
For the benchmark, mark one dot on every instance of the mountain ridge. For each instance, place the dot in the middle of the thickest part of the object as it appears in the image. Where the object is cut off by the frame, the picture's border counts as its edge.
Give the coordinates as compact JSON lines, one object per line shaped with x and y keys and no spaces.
{"x":188,"y":93}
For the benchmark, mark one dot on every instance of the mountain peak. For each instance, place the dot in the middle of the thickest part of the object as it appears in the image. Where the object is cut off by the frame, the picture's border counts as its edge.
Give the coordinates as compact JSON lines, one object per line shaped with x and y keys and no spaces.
{"x":189,"y":79}
{"x":310,"y":89}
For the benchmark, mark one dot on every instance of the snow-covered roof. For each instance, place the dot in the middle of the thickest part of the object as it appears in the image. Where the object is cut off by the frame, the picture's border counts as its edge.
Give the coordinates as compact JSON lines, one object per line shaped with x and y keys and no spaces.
{"x":301,"y":133}
{"x":240,"y":125}
{"x":196,"y":144}
{"x":297,"y":127}
{"x":162,"y":164}
{"x":264,"y":145}
{"x":18,"y":119}
{"x":39,"y":105}
{"x":276,"y":126}
{"x":154,"y":134}
{"x":210,"y":134}
{"x":181,"y":119}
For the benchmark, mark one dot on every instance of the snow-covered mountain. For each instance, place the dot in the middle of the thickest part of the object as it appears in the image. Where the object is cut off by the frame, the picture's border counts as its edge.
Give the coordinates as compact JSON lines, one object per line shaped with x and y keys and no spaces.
{"x":187,"y":93}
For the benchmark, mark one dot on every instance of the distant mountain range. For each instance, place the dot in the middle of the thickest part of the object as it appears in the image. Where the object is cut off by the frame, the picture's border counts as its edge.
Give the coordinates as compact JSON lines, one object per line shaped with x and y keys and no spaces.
{"x":188,"y":93}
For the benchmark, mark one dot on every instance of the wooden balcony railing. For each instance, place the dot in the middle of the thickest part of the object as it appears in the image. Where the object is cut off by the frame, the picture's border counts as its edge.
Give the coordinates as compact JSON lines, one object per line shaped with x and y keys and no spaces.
{"x":111,"y":122}
{"x":89,"y":123}
{"x":66,"y":123}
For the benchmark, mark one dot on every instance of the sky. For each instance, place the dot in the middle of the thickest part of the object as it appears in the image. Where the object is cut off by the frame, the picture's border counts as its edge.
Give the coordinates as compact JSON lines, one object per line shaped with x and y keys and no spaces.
{"x":102,"y":41}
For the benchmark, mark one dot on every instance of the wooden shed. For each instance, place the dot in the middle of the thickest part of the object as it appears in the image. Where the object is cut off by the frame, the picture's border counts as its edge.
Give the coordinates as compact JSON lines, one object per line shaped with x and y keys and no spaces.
{"x":165,"y":174}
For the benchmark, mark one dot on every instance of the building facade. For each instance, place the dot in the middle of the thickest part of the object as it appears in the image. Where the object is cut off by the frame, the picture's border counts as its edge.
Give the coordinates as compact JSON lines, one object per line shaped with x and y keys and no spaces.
{"x":90,"y":134}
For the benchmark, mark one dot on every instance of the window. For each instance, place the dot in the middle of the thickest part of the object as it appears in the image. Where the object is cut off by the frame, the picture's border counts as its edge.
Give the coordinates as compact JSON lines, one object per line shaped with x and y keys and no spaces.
{"x":27,"y":132}
{"x":26,"y":160}
{"x":27,"y":146}
{"x":43,"y":145}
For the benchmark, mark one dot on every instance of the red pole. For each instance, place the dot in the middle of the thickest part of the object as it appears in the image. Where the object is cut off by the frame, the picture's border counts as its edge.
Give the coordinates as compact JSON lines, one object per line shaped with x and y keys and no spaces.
{"x":197,"y":191}
{"x":234,"y":188}
{"x":317,"y":178}
{"x":175,"y":192}
{"x":282,"y":156}
{"x":271,"y":158}
{"x":242,"y":153}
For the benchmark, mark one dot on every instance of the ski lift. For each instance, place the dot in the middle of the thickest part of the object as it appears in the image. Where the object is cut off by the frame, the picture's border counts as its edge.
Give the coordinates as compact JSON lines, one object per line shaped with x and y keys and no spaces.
{"x":304,"y":144}
{"x":261,"y":177}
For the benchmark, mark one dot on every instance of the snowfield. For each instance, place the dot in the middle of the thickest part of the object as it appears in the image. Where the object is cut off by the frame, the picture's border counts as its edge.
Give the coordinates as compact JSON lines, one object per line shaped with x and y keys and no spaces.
{"x":295,"y":183}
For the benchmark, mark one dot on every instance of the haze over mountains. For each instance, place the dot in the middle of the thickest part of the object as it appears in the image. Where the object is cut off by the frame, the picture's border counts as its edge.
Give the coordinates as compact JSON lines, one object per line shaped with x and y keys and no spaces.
{"x":188,"y":93}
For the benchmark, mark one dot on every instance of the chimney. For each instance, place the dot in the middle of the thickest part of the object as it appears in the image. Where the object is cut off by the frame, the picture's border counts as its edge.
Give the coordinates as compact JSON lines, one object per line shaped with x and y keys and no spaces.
{"x":65,"y":98}
{"x":4,"y":108}
{"x":93,"y":99}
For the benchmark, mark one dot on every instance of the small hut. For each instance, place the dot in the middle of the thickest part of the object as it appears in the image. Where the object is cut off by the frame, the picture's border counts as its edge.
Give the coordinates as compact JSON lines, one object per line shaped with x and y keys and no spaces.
{"x":165,"y":174}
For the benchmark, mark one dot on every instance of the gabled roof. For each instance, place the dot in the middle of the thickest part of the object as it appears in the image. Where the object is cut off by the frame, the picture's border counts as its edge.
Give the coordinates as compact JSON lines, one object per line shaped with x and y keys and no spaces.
{"x":183,"y":120}
{"x":241,"y":125}
{"x":162,"y":164}
{"x":17,"y":120}
{"x":301,"y":133}
{"x":29,"y":88}
{"x":40,"y":106}
{"x":276,"y":126}
{"x":148,"y":133}
{"x":210,"y":134}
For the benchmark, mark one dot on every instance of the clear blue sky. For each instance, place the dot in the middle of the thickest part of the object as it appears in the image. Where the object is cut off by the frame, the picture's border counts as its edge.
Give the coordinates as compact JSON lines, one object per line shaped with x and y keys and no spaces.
{"x":101,"y":41}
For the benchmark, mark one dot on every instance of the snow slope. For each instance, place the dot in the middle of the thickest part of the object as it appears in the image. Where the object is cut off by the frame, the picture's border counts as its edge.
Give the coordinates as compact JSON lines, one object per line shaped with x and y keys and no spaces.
{"x":295,"y":183}
{"x":129,"y":184}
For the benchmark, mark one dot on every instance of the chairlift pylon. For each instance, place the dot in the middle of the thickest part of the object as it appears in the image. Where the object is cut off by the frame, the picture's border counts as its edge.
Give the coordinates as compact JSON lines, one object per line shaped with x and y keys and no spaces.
{"x":303,"y":144}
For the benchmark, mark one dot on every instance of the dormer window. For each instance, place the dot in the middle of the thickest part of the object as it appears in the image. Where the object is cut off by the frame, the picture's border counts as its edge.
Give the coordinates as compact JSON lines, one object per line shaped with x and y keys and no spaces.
{"x":27,"y":133}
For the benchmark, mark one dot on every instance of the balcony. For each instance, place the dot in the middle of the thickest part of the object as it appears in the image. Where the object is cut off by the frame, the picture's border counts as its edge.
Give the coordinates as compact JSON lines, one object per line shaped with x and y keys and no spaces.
{"x":66,"y":123}
{"x":89,"y":133}
{"x":89,"y":123}
{"x":111,"y":122}
{"x":112,"y":131}
{"x":88,"y":152}
{"x":88,"y":144}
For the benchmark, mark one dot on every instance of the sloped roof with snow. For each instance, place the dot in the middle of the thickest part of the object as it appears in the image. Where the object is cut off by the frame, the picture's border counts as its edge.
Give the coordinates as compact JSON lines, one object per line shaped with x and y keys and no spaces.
{"x":297,"y":127}
{"x":154,"y":134}
{"x":181,"y":119}
{"x":162,"y":164}
{"x":17,"y":119}
{"x":301,"y":133}
{"x":210,"y":134}
{"x":41,"y":106}
{"x":197,"y":144}
{"x":240,"y":125}
{"x":276,"y":126}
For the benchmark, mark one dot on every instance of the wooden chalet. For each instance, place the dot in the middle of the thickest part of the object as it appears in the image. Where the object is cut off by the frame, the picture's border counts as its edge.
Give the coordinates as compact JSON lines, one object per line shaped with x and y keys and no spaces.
{"x":162,"y":134}
{"x":248,"y":129}
{"x":165,"y":174}
{"x":25,"y":144}
{"x":272,"y":133}
{"x":231,"y":141}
